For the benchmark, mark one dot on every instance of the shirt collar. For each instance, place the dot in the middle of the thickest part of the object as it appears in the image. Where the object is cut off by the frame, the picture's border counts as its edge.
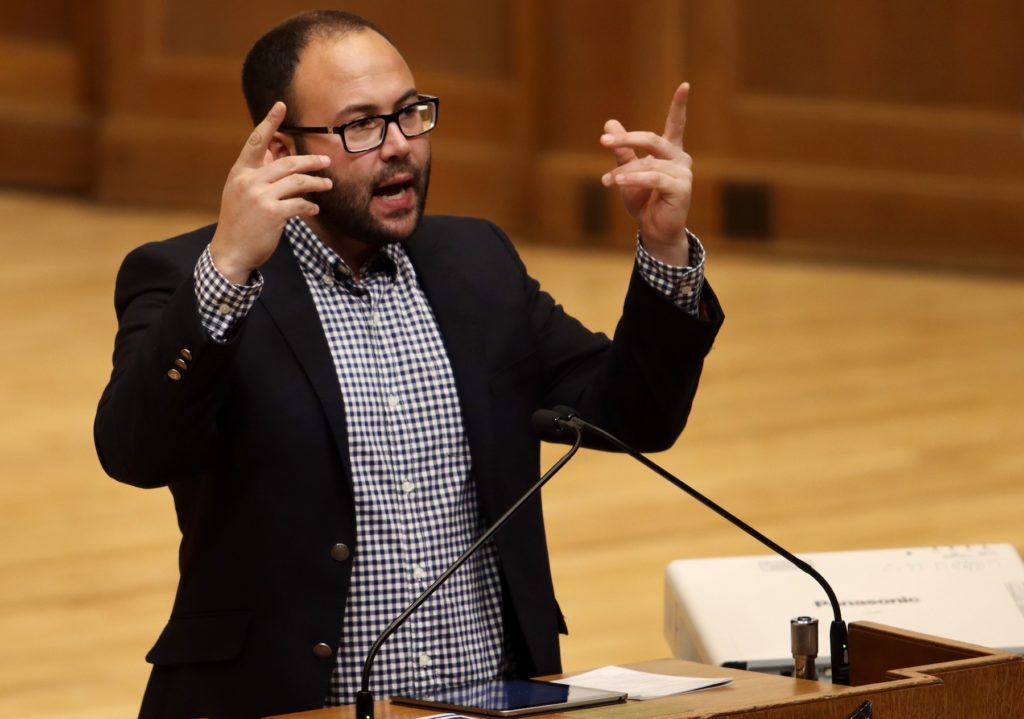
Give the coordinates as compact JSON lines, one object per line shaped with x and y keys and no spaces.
{"x":316,"y":258}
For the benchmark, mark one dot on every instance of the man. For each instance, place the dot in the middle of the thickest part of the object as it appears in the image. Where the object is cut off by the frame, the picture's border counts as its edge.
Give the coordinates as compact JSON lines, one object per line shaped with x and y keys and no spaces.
{"x":338,"y":394}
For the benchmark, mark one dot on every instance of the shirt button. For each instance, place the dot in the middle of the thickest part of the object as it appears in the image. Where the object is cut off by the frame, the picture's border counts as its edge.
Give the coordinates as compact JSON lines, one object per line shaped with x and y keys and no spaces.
{"x":685,"y":291}
{"x":392,"y":401}
{"x":407,"y":486}
{"x":375,"y":318}
{"x":424,"y":660}
{"x":419,"y":572}
{"x":328,"y":278}
{"x":224,"y":308}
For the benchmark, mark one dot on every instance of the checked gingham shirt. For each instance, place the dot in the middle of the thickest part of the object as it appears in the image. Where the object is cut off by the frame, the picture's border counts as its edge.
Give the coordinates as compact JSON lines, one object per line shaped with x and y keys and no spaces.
{"x":416,"y":508}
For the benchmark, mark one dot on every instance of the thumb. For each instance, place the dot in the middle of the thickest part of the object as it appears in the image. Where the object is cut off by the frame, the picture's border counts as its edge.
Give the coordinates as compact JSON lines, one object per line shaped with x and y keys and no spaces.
{"x":622,"y":155}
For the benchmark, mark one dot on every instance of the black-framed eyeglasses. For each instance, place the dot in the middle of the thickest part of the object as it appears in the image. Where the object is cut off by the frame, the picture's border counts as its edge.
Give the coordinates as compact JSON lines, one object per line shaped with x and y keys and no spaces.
{"x":367,"y":133}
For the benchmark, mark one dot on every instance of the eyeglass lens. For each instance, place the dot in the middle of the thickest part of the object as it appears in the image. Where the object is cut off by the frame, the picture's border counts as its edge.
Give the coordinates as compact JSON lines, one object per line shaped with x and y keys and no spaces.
{"x":413,"y":120}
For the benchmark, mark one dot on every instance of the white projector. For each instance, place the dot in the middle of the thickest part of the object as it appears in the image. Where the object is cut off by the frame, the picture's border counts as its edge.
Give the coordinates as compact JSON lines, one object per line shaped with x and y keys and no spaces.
{"x":735,"y":611}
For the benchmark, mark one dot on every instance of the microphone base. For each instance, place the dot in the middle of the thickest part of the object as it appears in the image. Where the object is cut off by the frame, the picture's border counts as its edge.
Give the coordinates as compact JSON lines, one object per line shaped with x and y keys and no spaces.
{"x":364,"y":704}
{"x":840,"y":643}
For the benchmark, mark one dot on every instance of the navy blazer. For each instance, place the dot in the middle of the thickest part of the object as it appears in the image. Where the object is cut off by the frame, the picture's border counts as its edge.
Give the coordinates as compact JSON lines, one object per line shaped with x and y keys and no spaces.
{"x":251,"y":442}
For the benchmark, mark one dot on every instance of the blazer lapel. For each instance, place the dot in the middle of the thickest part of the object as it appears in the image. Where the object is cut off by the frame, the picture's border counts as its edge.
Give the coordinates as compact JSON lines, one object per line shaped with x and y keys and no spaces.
{"x":287,"y":299}
{"x":463,"y":330}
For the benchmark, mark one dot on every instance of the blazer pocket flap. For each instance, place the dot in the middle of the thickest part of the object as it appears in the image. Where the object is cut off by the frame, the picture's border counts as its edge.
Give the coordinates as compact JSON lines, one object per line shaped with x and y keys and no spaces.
{"x":200,"y":638}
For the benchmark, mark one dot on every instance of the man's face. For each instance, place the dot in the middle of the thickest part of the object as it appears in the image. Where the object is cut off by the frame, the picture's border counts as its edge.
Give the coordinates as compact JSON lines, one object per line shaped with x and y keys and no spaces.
{"x":378,"y":195}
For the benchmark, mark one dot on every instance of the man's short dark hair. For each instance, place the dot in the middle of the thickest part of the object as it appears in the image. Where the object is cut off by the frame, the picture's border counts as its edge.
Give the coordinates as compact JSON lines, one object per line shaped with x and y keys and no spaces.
{"x":270,"y":65}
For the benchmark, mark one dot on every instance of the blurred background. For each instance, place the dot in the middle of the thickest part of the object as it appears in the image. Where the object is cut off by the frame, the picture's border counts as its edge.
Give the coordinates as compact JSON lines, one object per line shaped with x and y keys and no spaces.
{"x":866,"y":129}
{"x":859,"y":187}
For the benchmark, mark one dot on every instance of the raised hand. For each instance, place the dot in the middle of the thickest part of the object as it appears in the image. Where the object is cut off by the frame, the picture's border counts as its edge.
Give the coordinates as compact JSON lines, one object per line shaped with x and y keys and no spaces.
{"x":260,"y":195}
{"x":655,"y":176}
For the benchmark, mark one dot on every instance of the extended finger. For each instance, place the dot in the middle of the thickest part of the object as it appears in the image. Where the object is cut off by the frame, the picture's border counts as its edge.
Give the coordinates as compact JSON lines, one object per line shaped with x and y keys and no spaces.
{"x":669,"y":168}
{"x":612,"y":130}
{"x":291,"y":165}
{"x":675,"y":123}
{"x":256,"y":146}
{"x":299,"y":207}
{"x":677,"y":166}
{"x":293,"y":185}
{"x":667,"y":185}
{"x":643,"y":141}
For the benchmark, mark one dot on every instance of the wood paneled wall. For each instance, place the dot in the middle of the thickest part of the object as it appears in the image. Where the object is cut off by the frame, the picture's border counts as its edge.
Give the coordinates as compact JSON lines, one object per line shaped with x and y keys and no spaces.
{"x":47,"y":98}
{"x":877,"y":128}
{"x":863,"y":129}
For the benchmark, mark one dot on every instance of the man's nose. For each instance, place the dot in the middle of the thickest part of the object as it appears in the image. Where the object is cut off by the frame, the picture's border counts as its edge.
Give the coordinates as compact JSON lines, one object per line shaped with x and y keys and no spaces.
{"x":395,"y":144}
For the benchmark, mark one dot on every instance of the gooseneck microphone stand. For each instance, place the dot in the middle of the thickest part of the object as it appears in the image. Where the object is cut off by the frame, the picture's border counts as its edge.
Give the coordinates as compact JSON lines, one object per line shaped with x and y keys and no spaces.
{"x":565,"y":418}
{"x":364,"y":697}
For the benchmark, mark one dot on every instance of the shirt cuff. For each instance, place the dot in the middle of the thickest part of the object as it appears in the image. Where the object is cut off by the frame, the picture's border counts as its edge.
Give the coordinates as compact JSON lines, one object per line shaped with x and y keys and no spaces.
{"x":222,"y":304}
{"x":682,"y":285}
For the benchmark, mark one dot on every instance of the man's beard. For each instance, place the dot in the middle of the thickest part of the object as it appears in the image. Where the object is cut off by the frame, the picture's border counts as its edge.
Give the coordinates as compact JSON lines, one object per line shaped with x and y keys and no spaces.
{"x":345,"y":208}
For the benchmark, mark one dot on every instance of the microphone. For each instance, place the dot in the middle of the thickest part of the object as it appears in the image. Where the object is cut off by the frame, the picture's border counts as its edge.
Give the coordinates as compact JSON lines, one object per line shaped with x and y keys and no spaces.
{"x":563,"y":419}
{"x":543,"y":421}
{"x":554,"y":423}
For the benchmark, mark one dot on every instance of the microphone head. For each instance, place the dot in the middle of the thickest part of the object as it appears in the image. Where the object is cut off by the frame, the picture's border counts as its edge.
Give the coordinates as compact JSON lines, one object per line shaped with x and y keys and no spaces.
{"x":547,"y":422}
{"x":564,"y":412}
{"x":554,"y":424}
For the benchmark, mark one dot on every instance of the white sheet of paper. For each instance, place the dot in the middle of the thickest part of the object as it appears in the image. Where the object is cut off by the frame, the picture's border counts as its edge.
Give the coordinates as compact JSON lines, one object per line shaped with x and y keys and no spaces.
{"x":641,"y":685}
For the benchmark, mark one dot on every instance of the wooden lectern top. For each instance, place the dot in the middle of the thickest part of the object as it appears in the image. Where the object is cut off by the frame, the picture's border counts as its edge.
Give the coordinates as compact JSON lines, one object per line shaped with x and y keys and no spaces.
{"x":904,"y":674}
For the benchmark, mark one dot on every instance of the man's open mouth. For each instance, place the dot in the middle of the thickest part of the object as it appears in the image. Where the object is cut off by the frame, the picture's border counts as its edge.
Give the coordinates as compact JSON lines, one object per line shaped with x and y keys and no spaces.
{"x":394,"y":188}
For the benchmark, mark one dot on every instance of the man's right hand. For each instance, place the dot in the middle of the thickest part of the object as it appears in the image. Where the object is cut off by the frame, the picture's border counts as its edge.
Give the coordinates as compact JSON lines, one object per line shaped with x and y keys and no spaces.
{"x":260,"y":195}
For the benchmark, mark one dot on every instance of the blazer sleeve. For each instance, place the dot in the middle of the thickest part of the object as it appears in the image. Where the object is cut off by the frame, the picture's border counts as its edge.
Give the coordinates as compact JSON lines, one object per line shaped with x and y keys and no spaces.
{"x":156,"y":418}
{"x":639,"y":386}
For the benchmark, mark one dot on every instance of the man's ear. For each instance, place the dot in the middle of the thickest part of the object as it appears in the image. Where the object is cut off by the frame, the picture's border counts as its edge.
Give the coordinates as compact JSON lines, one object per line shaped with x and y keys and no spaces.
{"x":282,"y":145}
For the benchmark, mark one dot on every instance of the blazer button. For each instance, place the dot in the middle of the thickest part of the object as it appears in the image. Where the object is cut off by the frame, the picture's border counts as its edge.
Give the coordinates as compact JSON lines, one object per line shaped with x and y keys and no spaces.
{"x":322,"y":651}
{"x":340,"y":552}
{"x":174,"y":374}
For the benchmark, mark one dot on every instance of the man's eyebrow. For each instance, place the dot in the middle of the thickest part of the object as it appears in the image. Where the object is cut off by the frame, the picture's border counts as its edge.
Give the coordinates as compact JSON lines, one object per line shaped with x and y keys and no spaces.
{"x":371,"y":109}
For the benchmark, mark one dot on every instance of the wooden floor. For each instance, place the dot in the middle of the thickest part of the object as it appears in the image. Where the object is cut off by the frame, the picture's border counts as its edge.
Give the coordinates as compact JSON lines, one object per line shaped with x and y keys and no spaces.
{"x":842,"y":408}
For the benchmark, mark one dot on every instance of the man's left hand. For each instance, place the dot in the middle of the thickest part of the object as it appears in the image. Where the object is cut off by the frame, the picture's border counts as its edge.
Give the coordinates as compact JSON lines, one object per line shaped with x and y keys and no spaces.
{"x":656,"y":184}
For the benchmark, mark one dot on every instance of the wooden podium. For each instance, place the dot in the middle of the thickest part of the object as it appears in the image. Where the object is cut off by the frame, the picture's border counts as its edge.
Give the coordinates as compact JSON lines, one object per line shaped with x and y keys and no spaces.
{"x":904,"y":674}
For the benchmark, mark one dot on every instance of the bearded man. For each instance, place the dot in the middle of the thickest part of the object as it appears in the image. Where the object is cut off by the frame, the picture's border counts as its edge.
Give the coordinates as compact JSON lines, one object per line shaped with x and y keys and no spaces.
{"x":337,"y":391}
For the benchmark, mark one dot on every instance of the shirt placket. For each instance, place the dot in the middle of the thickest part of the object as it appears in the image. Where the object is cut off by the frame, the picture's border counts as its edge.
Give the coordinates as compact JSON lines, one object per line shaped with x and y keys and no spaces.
{"x":394,"y":360}
{"x":385,"y":343}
